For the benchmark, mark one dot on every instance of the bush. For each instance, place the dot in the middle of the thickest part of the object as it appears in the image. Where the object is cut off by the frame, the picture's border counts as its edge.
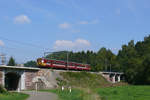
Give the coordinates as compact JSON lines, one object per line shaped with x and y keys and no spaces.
{"x":2,"y":89}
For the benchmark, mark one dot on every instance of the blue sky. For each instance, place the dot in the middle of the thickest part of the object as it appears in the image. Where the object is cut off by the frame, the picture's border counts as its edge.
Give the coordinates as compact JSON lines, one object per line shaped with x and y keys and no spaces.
{"x":30,"y":27}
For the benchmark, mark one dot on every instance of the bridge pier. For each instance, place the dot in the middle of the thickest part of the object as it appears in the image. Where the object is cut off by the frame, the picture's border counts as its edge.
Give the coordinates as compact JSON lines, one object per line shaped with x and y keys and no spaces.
{"x":113,"y":77}
{"x":118,"y":78}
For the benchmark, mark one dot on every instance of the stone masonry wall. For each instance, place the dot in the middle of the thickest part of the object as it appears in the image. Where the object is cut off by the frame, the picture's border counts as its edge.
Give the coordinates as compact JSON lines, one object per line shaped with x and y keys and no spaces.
{"x":29,"y":75}
{"x":44,"y":79}
{"x":48,"y":77}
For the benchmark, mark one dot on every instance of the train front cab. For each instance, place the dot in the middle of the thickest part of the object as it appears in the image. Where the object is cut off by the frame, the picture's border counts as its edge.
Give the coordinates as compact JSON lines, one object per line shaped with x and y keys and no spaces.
{"x":41,"y":62}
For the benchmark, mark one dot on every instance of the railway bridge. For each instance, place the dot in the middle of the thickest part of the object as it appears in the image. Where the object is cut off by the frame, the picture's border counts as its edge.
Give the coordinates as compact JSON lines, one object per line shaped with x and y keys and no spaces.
{"x":24,"y":78}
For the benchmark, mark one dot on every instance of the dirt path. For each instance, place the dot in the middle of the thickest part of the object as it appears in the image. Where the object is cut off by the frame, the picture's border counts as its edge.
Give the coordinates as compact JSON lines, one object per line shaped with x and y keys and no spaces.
{"x":41,"y":95}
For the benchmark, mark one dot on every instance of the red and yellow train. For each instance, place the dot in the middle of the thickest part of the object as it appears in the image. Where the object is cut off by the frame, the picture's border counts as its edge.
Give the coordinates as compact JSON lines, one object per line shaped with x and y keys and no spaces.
{"x":43,"y":62}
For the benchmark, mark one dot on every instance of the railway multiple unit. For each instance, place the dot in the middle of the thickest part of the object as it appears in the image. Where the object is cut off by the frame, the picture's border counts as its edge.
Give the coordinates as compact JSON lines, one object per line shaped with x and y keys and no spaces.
{"x":57,"y":64}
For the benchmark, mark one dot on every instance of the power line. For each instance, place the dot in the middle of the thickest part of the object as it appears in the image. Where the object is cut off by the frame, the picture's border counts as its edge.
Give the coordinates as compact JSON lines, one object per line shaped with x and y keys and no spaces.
{"x":23,"y":43}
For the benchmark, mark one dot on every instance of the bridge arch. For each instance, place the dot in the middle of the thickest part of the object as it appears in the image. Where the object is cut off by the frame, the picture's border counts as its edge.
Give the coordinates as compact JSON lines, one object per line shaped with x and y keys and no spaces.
{"x":12,"y":80}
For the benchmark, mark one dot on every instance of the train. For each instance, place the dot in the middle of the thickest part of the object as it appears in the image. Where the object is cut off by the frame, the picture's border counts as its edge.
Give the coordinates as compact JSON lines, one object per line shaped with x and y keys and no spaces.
{"x":58,"y":64}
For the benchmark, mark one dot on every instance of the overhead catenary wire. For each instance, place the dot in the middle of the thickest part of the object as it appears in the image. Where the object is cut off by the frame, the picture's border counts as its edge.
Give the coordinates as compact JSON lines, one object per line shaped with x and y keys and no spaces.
{"x":19,"y":48}
{"x":24,"y":43}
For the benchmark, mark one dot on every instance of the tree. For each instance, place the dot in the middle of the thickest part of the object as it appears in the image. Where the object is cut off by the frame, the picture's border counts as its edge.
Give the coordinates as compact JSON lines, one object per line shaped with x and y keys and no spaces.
{"x":134,"y":60}
{"x":146,"y":70}
{"x":11,"y":62}
{"x":30,"y":64}
{"x":106,"y":60}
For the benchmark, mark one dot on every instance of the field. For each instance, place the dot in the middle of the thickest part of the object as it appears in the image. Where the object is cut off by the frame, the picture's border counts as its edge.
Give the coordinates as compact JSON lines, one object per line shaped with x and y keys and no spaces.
{"x":109,"y":93}
{"x":13,"y":96}
{"x":125,"y":93}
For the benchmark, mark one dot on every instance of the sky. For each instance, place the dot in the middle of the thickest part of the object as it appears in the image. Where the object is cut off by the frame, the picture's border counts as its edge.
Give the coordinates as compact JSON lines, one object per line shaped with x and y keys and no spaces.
{"x":28,"y":28}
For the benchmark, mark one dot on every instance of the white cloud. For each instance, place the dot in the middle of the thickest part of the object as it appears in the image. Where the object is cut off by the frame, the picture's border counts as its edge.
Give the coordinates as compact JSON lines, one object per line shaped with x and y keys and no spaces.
{"x":21,"y":19}
{"x":78,"y":44}
{"x":1,"y":43}
{"x":82,"y":42}
{"x":65,"y":25}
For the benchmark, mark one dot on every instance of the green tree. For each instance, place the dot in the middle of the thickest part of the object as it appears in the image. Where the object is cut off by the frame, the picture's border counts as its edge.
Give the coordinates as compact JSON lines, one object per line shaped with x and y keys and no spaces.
{"x":146,"y":70}
{"x":134,"y":60}
{"x":106,"y":60}
{"x":11,"y":62}
{"x":30,"y":64}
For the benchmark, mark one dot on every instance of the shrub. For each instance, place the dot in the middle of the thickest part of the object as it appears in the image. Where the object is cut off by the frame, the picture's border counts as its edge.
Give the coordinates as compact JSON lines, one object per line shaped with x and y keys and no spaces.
{"x":2,"y":89}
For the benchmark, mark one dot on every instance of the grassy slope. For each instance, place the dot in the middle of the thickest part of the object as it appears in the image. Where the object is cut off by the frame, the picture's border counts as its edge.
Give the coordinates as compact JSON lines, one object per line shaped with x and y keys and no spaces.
{"x":85,"y":83}
{"x":83,"y":80}
{"x":93,"y":87}
{"x":13,"y":96}
{"x":125,"y":93}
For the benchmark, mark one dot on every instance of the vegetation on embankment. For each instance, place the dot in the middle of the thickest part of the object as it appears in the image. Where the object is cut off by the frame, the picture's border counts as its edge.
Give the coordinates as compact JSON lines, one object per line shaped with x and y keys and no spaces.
{"x":82,"y":80}
{"x":125,"y":93}
{"x":83,"y":84}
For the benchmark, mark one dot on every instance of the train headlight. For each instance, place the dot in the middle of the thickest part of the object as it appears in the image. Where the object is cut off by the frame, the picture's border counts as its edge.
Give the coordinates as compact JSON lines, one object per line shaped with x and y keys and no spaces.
{"x":42,"y":61}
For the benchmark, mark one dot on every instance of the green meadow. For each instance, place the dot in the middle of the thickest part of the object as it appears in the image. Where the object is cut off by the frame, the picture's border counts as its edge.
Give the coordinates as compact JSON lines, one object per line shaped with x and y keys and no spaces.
{"x":125,"y":93}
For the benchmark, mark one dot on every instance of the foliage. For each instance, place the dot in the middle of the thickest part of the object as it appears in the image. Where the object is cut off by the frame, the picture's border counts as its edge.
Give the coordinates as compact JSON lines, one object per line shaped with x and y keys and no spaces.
{"x":2,"y":89}
{"x":11,"y":62}
{"x":30,"y":64}
{"x":134,"y":60}
{"x":125,"y":93}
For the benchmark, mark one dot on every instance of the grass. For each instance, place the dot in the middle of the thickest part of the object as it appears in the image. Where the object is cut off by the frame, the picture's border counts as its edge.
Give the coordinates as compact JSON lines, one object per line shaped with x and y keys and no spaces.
{"x":82,"y":80}
{"x":125,"y":93}
{"x":66,"y":95}
{"x":13,"y":96}
{"x":76,"y":94}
